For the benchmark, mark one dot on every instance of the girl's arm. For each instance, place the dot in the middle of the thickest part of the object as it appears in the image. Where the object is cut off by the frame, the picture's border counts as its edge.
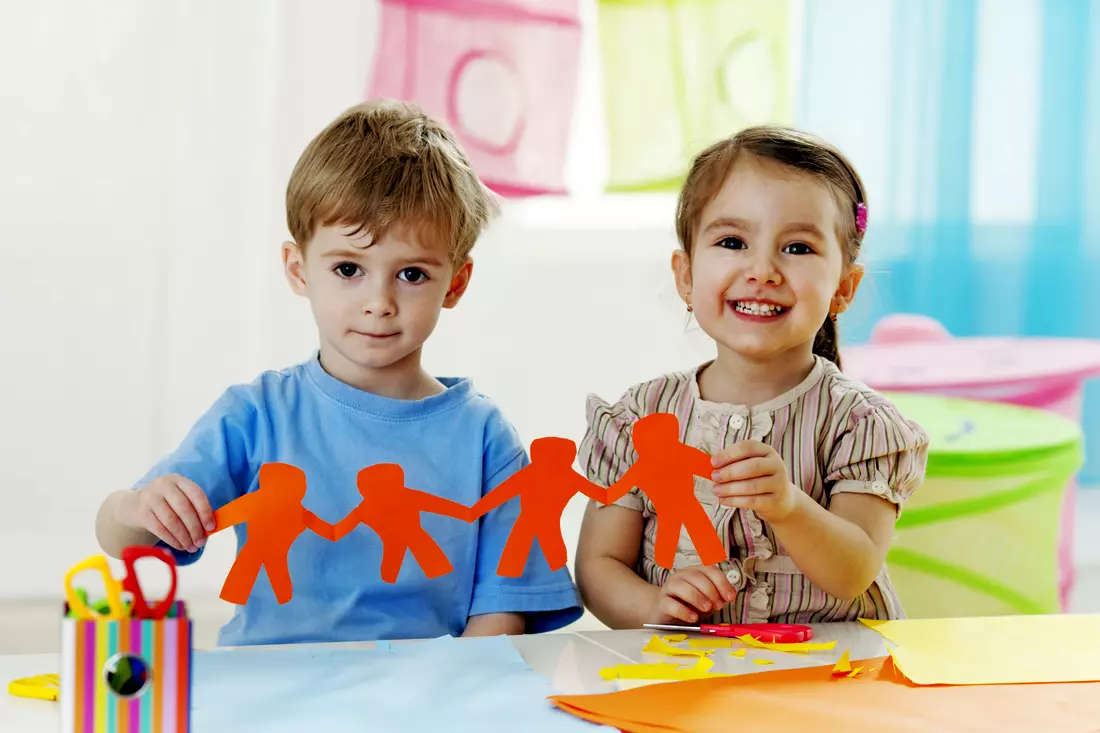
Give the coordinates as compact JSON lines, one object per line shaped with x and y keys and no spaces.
{"x":607,"y":554}
{"x":840,"y":549}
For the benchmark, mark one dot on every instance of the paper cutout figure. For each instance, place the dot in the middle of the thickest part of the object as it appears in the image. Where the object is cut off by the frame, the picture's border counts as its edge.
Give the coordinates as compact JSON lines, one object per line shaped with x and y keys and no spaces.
{"x":275,"y":518}
{"x":665,"y":472}
{"x":392,"y":510}
{"x":544,"y":487}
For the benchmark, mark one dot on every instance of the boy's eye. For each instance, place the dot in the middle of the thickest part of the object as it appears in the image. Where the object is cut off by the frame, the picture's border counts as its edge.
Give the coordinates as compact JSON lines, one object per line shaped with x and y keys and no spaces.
{"x":798,"y":248}
{"x":731,"y":243}
{"x":413,"y":275}
{"x":347,"y":269}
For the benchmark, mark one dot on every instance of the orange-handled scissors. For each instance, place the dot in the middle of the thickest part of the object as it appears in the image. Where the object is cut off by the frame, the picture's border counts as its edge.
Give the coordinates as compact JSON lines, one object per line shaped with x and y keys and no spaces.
{"x":775,"y":633}
{"x":116,"y":606}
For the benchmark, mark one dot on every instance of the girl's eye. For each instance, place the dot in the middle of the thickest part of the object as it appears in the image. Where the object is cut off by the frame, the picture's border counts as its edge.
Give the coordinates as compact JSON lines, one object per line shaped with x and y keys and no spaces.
{"x":731,"y":243}
{"x":347,"y":269}
{"x":413,"y":275}
{"x":798,"y":248}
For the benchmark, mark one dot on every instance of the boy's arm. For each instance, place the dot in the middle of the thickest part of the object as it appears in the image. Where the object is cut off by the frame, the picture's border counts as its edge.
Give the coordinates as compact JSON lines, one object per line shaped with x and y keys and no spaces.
{"x":495,"y":624}
{"x":216,"y":458}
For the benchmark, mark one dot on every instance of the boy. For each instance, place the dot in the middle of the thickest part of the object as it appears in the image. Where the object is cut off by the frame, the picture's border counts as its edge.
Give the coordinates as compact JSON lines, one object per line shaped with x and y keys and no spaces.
{"x":383,"y":209}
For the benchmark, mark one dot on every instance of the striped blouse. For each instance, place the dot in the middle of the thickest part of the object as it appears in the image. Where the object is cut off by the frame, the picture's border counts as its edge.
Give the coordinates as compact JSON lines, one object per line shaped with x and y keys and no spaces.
{"x":833,"y":433}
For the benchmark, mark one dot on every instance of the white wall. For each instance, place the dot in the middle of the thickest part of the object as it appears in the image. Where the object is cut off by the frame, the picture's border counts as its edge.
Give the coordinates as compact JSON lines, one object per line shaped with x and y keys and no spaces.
{"x":144,"y":150}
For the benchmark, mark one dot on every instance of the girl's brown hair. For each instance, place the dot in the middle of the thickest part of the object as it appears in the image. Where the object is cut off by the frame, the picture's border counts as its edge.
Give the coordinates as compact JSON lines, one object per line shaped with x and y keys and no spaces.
{"x":799,"y":150}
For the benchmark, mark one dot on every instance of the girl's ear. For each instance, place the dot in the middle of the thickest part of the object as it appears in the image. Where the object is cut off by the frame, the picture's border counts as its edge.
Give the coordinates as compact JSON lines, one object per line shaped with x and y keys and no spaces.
{"x":681,"y":271}
{"x":846,"y":289}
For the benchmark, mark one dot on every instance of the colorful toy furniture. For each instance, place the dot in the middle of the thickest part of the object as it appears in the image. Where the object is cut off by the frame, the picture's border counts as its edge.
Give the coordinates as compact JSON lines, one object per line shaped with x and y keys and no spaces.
{"x":501,"y":73}
{"x":910,"y":353}
{"x":680,"y":74}
{"x":980,"y":536}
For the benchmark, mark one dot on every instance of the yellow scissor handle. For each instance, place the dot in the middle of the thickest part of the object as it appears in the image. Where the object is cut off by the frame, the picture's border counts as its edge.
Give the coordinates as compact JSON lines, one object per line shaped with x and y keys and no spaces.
{"x":79,"y":607}
{"x":40,"y":687}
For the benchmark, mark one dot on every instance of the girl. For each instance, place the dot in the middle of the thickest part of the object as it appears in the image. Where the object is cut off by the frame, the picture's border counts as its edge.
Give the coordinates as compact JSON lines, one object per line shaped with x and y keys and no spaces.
{"x":811,"y":468}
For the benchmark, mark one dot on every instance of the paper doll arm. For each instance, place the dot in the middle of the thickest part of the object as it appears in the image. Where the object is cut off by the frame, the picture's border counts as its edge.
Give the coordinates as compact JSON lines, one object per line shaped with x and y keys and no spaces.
{"x":622,"y":487}
{"x":426,"y":502}
{"x":503,"y":493}
{"x":235,"y":512}
{"x":699,"y":462}
{"x":593,"y":491}
{"x":345,"y":525}
{"x":319,"y":526}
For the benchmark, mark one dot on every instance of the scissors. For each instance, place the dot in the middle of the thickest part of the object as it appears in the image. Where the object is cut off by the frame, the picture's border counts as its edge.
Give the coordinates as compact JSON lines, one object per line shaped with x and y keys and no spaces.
{"x":116,"y":608}
{"x":775,"y":633}
{"x":39,"y":687}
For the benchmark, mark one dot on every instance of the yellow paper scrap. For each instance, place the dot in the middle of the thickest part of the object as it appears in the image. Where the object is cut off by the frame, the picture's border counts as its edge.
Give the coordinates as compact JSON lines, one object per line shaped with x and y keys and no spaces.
{"x":799,"y":648}
{"x":657,"y":645}
{"x":987,"y":650}
{"x":738,"y":652}
{"x":716,"y":642}
{"x":762,"y":661}
{"x":661,"y":671}
{"x":855,"y":671}
{"x":843,"y":665}
{"x":675,"y":638}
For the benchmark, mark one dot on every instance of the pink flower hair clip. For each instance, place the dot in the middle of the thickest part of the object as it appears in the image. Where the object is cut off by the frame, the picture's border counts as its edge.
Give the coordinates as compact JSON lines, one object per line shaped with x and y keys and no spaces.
{"x":861,"y":217}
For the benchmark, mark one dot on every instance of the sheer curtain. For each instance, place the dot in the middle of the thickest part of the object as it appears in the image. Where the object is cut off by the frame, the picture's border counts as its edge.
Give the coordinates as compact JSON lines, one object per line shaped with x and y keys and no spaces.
{"x":976,"y":124}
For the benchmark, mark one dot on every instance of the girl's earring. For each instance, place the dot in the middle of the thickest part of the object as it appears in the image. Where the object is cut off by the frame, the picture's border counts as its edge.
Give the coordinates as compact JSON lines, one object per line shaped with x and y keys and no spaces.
{"x":690,"y":309}
{"x":832,"y":317}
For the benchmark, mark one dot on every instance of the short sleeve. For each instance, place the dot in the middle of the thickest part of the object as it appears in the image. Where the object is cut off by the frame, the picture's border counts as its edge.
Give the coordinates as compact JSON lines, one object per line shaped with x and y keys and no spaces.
{"x":880,"y":453}
{"x":547,"y":598}
{"x":607,"y":449}
{"x":218,"y":454}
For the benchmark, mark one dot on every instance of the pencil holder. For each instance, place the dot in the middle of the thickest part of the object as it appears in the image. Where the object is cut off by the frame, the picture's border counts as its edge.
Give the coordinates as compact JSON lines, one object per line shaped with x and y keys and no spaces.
{"x":128,"y":675}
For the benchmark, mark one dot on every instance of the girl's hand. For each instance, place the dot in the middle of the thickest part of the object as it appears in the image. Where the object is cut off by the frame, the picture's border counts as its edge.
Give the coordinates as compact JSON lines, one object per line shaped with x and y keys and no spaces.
{"x":173,"y":508}
{"x":691,"y":593}
{"x":751,"y":475}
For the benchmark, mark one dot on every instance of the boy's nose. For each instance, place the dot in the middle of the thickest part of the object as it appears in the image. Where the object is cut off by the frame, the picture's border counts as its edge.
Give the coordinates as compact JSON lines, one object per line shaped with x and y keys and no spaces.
{"x":379,"y":304}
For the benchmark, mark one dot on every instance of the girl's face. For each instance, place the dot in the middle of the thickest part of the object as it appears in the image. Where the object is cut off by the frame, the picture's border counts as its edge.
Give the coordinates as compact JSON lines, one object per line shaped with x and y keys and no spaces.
{"x":767,"y":266}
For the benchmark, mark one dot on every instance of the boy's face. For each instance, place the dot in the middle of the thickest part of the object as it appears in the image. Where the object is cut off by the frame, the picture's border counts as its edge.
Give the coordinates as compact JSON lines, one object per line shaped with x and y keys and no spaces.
{"x":375,"y":302}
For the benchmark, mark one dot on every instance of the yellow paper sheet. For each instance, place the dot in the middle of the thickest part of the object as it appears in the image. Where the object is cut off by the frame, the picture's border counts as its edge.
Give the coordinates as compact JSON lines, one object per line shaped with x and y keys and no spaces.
{"x":800,"y":648}
{"x":715,"y":642}
{"x":996,"y":650}
{"x":675,"y":638}
{"x":657,"y":645}
{"x":662,"y":671}
{"x":843,"y":665}
{"x":762,"y":662}
{"x":738,"y":652}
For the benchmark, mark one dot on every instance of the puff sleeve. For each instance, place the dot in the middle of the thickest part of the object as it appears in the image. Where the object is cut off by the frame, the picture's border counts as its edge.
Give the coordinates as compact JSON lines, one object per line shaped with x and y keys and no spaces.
{"x":607,"y":450}
{"x":879,"y":452}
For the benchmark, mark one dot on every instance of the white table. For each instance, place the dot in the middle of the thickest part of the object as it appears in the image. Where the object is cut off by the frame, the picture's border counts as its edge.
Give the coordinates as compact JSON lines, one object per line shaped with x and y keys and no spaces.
{"x":570,"y":660}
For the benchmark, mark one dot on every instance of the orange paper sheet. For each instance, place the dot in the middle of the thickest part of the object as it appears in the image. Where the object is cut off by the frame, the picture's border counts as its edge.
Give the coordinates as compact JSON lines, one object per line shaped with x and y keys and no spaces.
{"x":811,"y":699}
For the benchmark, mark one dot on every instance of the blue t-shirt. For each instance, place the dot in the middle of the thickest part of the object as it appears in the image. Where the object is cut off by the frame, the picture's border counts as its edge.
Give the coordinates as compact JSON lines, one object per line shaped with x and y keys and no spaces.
{"x":456,"y":444}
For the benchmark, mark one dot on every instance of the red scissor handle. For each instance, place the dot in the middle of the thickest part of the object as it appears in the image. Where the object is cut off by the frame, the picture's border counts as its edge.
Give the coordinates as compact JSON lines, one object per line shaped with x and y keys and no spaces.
{"x":775,"y":633}
{"x":130,"y":584}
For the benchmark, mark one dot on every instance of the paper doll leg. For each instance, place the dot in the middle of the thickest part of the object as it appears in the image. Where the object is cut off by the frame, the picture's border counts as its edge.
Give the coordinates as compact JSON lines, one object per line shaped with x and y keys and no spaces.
{"x":278,"y":574}
{"x":393,"y":555}
{"x":664,"y":548}
{"x":433,"y":561}
{"x":242,"y":576}
{"x":516,"y":549}
{"x":705,"y":537}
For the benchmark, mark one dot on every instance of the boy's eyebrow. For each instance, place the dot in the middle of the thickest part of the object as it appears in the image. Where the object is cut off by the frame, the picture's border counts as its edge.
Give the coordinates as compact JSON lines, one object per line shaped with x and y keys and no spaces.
{"x":354,"y":254}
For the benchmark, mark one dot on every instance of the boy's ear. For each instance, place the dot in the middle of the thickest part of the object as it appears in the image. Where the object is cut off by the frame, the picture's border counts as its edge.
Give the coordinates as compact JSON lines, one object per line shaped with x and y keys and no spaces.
{"x":846,"y":289}
{"x":293,"y":267}
{"x":459,"y":282}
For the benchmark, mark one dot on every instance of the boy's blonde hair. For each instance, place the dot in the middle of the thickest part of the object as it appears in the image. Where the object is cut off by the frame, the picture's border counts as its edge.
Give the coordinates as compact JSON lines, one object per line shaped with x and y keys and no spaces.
{"x":385,"y":163}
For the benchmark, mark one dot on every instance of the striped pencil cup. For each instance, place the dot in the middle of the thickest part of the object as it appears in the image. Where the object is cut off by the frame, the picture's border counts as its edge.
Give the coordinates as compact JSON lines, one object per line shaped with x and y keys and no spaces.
{"x":126,"y":676}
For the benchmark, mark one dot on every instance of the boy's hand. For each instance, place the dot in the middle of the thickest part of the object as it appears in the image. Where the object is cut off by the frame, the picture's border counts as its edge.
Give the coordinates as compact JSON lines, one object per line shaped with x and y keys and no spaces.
{"x":751,"y":475}
{"x":691,"y":593}
{"x":173,"y":508}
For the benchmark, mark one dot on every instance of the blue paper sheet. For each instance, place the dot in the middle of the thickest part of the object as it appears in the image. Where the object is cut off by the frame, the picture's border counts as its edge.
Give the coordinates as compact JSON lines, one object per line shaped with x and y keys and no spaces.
{"x":443,"y":684}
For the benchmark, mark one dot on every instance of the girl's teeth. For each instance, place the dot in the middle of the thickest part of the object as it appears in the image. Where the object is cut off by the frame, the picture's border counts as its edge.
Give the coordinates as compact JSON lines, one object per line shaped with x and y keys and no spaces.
{"x":758,"y":309}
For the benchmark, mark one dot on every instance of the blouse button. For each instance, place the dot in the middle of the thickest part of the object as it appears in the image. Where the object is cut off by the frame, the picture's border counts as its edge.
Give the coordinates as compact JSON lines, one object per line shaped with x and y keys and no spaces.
{"x":737,"y":422}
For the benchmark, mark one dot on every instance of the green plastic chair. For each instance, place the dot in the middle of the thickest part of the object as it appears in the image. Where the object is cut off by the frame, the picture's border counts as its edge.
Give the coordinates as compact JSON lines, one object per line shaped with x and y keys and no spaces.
{"x":681,"y":74}
{"x":980,"y":537}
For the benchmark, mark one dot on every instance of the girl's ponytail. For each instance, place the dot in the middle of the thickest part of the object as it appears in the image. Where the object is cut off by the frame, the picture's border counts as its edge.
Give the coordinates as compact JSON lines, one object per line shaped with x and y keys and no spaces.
{"x":826,"y":342}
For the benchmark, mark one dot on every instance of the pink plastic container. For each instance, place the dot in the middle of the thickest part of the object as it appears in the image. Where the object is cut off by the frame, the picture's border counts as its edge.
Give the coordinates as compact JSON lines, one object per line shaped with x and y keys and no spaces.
{"x":909,"y":353}
{"x":502,"y":74}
